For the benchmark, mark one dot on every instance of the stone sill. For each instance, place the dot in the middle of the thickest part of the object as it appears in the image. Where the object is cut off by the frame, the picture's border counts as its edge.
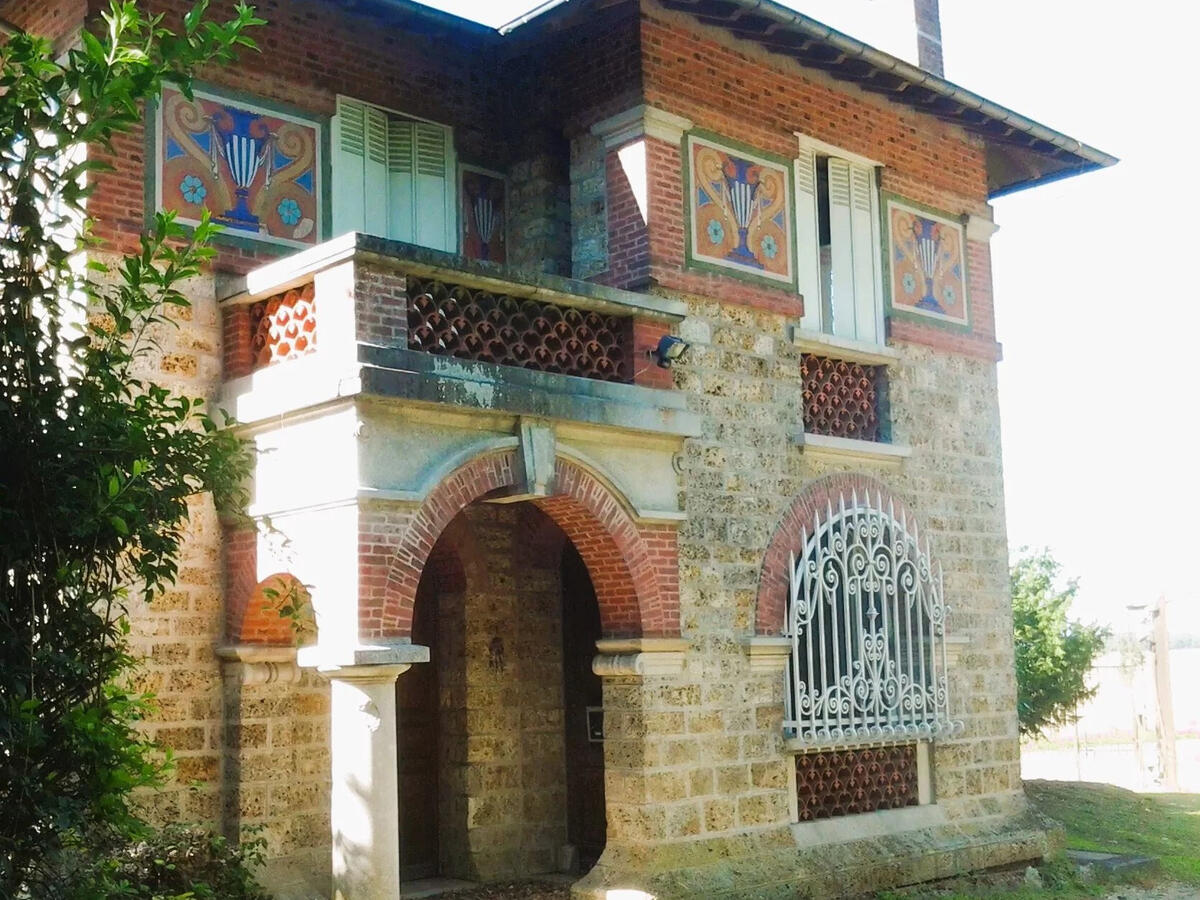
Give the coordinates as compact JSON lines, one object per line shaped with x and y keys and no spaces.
{"x":843,"y":448}
{"x":428,"y":378}
{"x":844,"y":348}
{"x":882,"y":823}
{"x":299,"y":268}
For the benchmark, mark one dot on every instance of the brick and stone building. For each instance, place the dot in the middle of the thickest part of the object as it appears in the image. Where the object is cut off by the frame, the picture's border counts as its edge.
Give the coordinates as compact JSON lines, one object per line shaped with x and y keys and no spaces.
{"x":736,"y":626}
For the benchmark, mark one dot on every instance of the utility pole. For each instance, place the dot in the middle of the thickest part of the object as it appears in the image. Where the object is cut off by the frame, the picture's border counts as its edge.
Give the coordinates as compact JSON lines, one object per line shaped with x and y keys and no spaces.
{"x":1166,"y":711}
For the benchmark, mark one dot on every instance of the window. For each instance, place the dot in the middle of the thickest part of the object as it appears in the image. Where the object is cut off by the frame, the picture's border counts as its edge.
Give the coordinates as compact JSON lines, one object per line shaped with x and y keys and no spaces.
{"x":866,"y":618}
{"x":393,"y":176}
{"x":838,"y":234}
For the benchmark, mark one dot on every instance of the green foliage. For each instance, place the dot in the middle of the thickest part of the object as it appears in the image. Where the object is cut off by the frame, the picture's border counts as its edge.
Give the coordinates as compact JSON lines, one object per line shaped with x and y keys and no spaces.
{"x":173,"y":863}
{"x":100,"y":463}
{"x":1054,"y":654}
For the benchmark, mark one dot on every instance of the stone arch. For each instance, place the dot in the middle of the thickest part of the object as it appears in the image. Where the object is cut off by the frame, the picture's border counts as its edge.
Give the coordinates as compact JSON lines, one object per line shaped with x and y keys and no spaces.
{"x":812,"y":501}
{"x":633,"y":566}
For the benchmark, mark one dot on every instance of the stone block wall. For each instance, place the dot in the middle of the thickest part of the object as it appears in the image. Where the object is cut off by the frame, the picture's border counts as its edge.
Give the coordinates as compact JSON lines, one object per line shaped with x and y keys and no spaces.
{"x":501,"y":684}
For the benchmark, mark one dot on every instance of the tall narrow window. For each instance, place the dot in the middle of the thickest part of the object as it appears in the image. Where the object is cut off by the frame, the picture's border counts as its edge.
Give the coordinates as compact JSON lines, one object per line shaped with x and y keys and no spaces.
{"x":866,"y":619}
{"x":838,"y":233}
{"x":392,"y":176}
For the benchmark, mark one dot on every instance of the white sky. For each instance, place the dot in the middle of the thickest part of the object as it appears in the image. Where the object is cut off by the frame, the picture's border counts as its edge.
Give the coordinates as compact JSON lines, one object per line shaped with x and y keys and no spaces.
{"x":1095,"y":309}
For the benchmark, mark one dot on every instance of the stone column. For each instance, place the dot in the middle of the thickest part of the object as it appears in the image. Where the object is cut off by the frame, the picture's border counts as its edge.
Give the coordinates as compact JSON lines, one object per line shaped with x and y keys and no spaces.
{"x":364,"y":813}
{"x":364,"y":801}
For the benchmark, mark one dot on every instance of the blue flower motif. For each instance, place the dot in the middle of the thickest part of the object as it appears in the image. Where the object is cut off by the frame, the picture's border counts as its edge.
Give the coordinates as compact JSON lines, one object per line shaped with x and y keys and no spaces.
{"x":193,"y":189}
{"x":910,"y":283}
{"x":289,"y":211}
{"x":949,"y":296}
{"x":769,"y":247}
{"x":716,"y":231}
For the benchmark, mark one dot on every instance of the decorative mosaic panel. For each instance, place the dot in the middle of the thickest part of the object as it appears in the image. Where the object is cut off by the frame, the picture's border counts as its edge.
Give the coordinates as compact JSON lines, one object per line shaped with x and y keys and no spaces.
{"x":739,"y":210}
{"x":467,"y":323}
{"x":845,"y":782}
{"x":284,"y":326}
{"x":258,"y":172}
{"x":482,"y":214}
{"x":841,"y":398}
{"x":928,"y":268}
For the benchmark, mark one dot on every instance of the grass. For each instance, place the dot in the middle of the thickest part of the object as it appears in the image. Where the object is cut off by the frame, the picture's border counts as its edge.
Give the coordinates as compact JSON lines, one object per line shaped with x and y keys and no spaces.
{"x":1103,"y":817}
{"x":1094,"y":817}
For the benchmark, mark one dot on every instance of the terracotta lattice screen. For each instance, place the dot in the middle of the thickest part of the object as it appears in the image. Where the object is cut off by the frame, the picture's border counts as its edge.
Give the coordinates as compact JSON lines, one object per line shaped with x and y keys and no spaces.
{"x":842,"y":398}
{"x":283,"y":326}
{"x":844,"y":782}
{"x":474,"y":324}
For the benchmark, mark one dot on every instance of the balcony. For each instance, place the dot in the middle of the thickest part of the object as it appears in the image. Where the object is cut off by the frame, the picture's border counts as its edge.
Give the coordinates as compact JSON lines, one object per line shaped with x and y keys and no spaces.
{"x":365,"y":316}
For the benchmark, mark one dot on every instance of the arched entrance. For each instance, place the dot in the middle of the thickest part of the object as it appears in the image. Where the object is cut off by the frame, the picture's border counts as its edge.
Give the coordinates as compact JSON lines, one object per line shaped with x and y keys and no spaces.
{"x":500,"y":776}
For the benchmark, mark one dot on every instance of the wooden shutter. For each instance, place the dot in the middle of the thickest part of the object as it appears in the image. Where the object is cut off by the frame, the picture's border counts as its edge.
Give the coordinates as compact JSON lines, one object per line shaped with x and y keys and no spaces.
{"x":864,"y":248}
{"x":808,"y":264}
{"x":375,"y":182}
{"x":401,"y":212}
{"x":841,"y":238}
{"x":433,"y":194}
{"x":349,"y":156}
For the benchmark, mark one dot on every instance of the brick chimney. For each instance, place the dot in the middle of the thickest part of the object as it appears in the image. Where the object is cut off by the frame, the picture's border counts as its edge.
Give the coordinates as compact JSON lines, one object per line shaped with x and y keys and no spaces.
{"x":929,"y":36}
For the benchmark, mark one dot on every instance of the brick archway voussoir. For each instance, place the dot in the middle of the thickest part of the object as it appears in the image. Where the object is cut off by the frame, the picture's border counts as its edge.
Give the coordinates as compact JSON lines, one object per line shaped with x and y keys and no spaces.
{"x":634,"y":568}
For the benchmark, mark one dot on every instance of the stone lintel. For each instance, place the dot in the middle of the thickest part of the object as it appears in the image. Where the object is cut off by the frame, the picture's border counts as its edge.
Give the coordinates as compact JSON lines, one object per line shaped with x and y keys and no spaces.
{"x":259,"y":663}
{"x":638,"y":122}
{"x":768,"y":654}
{"x":639,"y":657}
{"x":980,"y":229}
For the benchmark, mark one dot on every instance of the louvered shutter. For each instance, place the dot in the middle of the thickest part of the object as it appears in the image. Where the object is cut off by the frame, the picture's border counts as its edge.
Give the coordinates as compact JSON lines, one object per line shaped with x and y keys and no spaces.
{"x":375,"y":172}
{"x":400,"y":140}
{"x":808,"y":251}
{"x":435,"y":212}
{"x":864,"y":227}
{"x":841,"y":239}
{"x":349,"y":157}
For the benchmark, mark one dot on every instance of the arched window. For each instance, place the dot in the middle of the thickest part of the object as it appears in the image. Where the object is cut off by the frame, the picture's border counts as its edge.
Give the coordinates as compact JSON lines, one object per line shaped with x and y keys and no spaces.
{"x":866,"y":617}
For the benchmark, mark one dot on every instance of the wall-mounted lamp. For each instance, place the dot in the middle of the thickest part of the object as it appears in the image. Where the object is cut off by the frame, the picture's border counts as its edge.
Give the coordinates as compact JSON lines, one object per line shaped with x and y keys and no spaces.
{"x":669,"y":350}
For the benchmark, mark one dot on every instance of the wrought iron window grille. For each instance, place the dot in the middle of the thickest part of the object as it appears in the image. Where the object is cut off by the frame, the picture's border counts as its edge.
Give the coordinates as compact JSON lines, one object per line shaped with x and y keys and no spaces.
{"x":866,"y":617}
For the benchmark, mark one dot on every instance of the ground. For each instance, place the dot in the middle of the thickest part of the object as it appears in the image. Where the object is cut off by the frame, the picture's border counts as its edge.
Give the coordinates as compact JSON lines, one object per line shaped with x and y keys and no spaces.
{"x":1093,"y":816}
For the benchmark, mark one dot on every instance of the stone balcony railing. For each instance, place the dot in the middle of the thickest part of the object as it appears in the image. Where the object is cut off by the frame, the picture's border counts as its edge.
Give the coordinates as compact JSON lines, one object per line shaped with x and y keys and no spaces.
{"x":360,"y":314}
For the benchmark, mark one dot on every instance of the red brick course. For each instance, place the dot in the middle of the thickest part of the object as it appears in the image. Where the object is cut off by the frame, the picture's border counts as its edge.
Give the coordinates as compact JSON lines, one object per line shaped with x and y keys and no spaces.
{"x":813,"y":501}
{"x":633,"y":567}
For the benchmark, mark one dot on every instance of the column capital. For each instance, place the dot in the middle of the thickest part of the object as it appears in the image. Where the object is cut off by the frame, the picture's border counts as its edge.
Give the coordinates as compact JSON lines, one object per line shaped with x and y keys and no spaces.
{"x":259,"y":663}
{"x":638,"y":122}
{"x":768,"y":653}
{"x":980,"y":229}
{"x":639,"y":657}
{"x":364,"y":662}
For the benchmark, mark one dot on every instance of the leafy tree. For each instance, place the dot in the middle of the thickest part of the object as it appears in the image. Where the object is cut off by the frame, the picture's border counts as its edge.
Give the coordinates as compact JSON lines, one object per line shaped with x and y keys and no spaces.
{"x":1054,"y":654}
{"x":99,"y":462}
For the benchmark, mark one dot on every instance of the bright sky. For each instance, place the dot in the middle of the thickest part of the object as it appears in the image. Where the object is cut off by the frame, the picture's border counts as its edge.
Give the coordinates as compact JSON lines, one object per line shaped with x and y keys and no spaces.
{"x":1100,"y":449}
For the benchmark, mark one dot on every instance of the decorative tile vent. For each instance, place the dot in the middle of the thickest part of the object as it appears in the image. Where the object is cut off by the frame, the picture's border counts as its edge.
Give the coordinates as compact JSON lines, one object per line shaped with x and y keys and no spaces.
{"x":842,"y":398}
{"x":283,"y":326}
{"x":845,"y":782}
{"x":474,"y":324}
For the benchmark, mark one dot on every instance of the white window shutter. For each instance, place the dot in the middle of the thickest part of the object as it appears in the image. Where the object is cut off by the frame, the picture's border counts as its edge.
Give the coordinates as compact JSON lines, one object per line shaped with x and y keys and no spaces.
{"x":433,"y":195}
{"x":863,"y":228}
{"x":841,"y":231}
{"x":401,"y":212}
{"x":375,"y":182}
{"x":349,"y":155}
{"x":808,"y":265}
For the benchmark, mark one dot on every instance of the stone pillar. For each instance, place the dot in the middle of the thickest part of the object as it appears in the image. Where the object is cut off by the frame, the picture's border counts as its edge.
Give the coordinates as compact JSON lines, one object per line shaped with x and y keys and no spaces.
{"x":364,"y":803}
